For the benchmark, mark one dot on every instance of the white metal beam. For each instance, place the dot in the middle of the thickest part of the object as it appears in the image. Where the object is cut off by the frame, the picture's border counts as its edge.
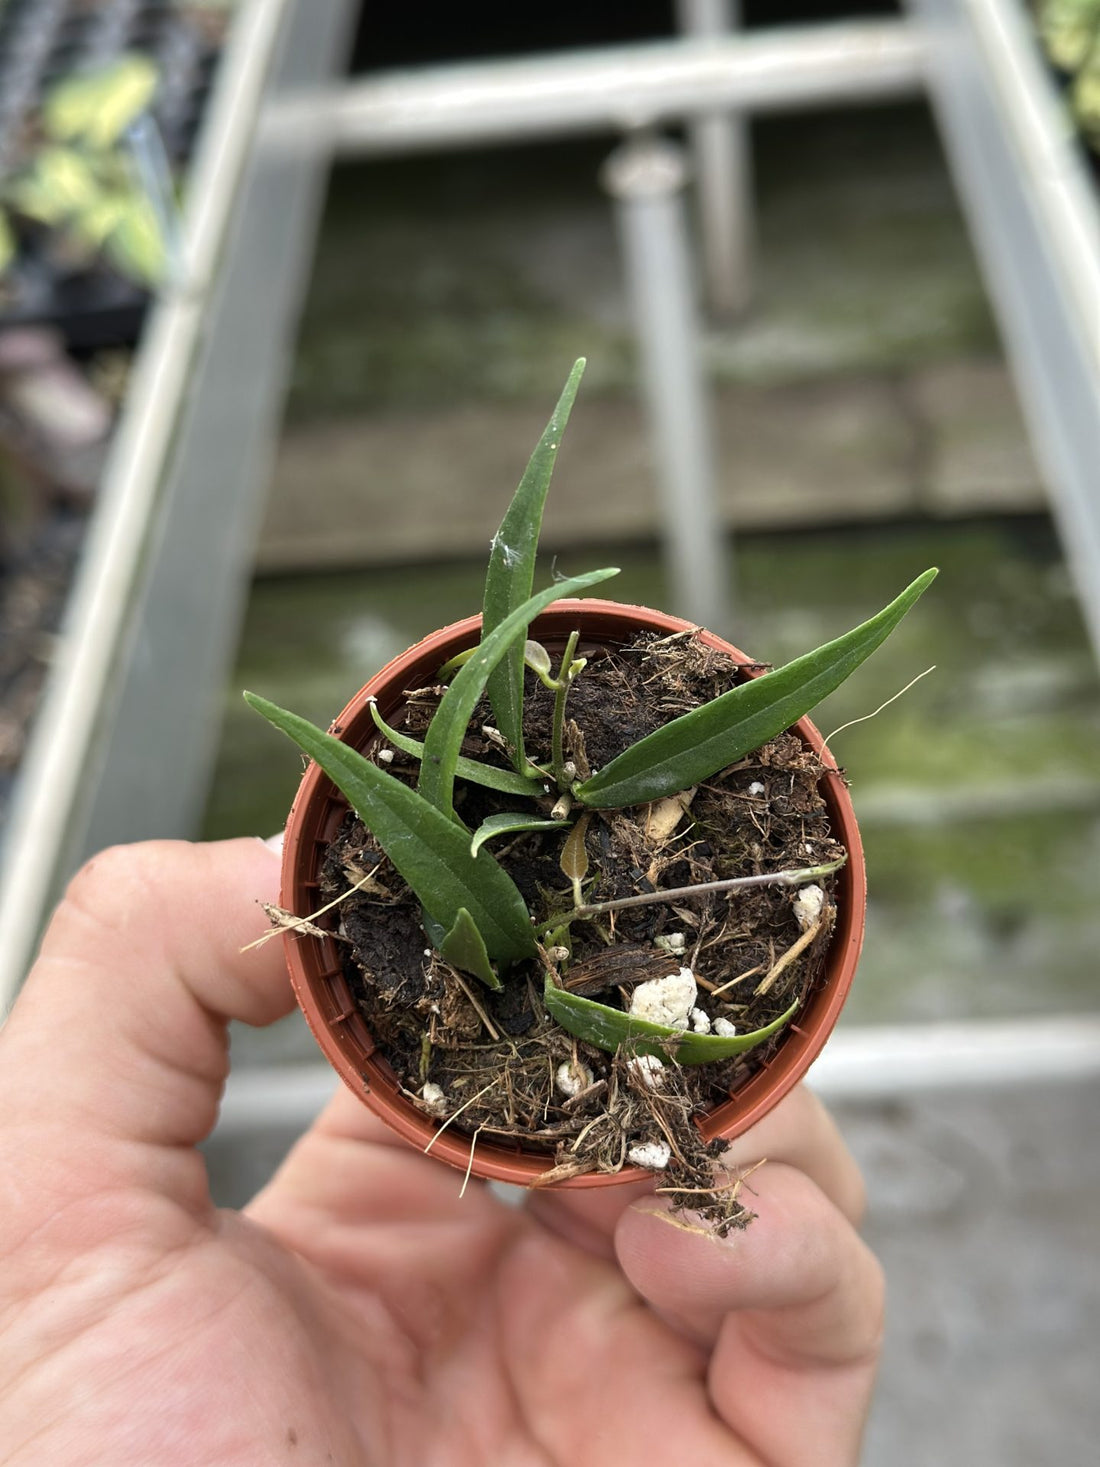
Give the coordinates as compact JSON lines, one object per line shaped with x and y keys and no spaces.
{"x":617,"y":89}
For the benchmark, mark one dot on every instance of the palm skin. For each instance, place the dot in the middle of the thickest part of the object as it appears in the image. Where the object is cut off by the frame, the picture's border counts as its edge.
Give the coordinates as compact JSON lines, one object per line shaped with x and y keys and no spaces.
{"x":360,"y":1311}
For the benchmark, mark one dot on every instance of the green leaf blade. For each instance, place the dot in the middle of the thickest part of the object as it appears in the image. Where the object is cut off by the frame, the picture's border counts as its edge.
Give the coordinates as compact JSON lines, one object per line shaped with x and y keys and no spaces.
{"x":611,"y":1029}
{"x":429,"y":849}
{"x":697,"y":745}
{"x":464,"y":947}
{"x":511,"y":570}
{"x":507,"y":823}
{"x":448,"y":727}
{"x":504,"y":781}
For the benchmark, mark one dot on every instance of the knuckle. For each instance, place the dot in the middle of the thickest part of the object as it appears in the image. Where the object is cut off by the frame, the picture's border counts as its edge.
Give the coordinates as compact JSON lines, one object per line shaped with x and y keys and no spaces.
{"x":112,"y":886}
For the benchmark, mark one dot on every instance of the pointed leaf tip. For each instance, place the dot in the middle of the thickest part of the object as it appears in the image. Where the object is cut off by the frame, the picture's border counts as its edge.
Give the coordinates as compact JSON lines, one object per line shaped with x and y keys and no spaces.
{"x":695,"y":746}
{"x":511,"y":571}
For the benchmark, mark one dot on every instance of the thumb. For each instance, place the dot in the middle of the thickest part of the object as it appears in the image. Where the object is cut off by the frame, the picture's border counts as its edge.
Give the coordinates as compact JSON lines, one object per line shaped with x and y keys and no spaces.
{"x":116,"y":1051}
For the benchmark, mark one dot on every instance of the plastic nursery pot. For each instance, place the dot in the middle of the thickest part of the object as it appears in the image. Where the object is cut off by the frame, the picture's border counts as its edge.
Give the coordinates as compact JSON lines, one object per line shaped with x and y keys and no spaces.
{"x":315,"y":964}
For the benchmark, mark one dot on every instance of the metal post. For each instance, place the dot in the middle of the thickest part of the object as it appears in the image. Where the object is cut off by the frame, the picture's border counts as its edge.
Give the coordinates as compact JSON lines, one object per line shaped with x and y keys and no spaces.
{"x":646,"y":178}
{"x":721,"y":146}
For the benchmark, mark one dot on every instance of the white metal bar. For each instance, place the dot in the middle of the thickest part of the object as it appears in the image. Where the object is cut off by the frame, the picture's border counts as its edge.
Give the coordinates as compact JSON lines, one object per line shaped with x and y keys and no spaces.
{"x":882,"y":1061}
{"x":1035,"y":221}
{"x":67,"y":748}
{"x":646,"y":178}
{"x":618,"y":89}
{"x":871,"y":1062}
{"x":722,"y":154}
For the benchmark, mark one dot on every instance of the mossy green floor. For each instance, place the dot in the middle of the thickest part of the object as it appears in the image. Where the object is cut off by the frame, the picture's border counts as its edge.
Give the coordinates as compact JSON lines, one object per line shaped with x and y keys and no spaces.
{"x":472,"y":276}
{"x":979,"y":791}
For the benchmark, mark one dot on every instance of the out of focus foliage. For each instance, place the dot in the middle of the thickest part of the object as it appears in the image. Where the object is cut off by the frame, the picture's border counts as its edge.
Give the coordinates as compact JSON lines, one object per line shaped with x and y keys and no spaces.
{"x":1070,"y":34}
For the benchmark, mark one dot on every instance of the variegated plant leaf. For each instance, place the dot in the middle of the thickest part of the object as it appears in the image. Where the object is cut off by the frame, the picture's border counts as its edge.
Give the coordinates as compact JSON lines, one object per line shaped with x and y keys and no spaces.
{"x":611,"y":1030}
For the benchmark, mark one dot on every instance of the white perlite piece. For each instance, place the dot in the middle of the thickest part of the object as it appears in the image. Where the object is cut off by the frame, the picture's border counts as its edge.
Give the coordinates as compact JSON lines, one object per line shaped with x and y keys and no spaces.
{"x":572,"y":1078}
{"x":648,"y":1069}
{"x":725,"y":1029}
{"x":700,"y":1021}
{"x":665,"y":1001}
{"x":653,"y":1155}
{"x":807,"y":906}
{"x":434,"y":1099}
{"x":756,"y":788}
{"x":672,"y":942}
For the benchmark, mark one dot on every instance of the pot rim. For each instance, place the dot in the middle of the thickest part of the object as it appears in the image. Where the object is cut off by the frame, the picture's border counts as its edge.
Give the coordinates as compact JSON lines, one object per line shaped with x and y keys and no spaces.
{"x":316,"y":971}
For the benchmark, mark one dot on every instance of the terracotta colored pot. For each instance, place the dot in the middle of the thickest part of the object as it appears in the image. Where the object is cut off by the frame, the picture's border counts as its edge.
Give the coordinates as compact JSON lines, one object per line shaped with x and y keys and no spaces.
{"x":315,"y":963}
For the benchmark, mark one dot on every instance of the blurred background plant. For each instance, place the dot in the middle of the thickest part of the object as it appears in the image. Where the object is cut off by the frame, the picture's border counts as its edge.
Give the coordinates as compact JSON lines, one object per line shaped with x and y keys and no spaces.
{"x":1070,"y":34}
{"x":81,"y":179}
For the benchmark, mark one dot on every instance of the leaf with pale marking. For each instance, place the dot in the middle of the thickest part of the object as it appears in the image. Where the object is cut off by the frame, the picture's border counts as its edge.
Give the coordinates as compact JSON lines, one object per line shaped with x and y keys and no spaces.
{"x":429,"y":848}
{"x":511,"y":572}
{"x":505,"y":824}
{"x":611,"y":1030}
{"x":506,"y":781}
{"x":700,"y":743}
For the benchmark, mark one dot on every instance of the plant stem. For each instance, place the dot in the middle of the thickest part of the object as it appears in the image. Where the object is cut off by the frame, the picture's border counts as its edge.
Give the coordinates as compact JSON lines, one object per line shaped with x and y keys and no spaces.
{"x":702,"y":888}
{"x":564,"y":680}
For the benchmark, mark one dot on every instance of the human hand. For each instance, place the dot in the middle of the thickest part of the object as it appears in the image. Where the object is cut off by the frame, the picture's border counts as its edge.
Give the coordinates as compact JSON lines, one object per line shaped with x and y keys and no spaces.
{"x":359,"y":1311}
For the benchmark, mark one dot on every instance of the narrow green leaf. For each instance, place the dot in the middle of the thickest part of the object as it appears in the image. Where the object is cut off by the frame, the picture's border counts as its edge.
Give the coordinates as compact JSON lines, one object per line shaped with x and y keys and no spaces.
{"x":506,"y":781}
{"x":448,"y":727}
{"x":465,"y":948}
{"x":504,"y":824}
{"x":700,"y":743}
{"x":511,"y":571}
{"x":610,"y":1029}
{"x":451,"y":666}
{"x":427,"y":847}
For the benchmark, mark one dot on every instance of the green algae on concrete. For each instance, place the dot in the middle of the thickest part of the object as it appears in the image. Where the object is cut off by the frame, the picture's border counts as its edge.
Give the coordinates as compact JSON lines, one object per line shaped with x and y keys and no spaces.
{"x":472,"y":275}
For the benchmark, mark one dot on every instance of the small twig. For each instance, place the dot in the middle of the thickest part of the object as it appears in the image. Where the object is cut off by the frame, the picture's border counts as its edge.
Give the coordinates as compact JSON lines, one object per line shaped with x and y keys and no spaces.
{"x":494,"y":1032}
{"x":787,"y":958}
{"x":749,"y":973}
{"x":732,"y":883}
{"x":576,"y":1101}
{"x":469,"y":1164}
{"x":288,"y":922}
{"x":455,"y":1114}
{"x":733,"y":1186}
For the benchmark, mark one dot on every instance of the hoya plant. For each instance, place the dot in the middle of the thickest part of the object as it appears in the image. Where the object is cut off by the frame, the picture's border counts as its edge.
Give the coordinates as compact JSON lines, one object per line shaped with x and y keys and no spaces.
{"x":473,"y":912}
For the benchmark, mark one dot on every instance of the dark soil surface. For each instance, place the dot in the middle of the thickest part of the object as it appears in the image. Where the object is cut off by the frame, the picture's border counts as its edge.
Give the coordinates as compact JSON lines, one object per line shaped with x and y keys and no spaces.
{"x":496,"y":1056}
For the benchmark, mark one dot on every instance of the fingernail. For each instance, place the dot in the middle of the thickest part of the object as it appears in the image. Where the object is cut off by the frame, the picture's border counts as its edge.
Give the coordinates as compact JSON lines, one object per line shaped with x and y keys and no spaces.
{"x":273,"y":843}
